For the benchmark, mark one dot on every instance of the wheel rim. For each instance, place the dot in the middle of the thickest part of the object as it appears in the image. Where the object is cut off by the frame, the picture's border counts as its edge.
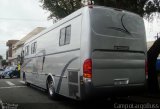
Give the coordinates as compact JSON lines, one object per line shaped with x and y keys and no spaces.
{"x":51,"y":87}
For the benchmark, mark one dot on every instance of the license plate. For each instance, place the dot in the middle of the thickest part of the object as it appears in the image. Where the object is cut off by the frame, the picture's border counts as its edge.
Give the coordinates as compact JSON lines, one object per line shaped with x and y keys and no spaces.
{"x":121,"y":81}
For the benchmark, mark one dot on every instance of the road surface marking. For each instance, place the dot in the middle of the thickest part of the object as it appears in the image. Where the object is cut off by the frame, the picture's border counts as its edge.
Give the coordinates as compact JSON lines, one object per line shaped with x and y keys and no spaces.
{"x":22,"y":82}
{"x":12,"y":87}
{"x":10,"y":83}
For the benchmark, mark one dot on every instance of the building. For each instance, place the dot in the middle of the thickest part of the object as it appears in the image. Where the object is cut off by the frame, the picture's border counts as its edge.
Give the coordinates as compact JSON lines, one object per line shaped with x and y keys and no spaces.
{"x":17,"y":47}
{"x":9,"y":52}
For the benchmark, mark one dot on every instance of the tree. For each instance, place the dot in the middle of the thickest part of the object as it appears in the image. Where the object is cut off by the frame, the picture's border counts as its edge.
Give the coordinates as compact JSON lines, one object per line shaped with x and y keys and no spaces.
{"x":1,"y":57}
{"x":62,"y":8}
{"x":142,"y":7}
{"x":4,"y":63}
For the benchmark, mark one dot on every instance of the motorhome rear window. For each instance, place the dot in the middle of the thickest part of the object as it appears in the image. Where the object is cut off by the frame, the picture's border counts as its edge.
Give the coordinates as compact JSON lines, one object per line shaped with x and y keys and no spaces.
{"x":109,"y":22}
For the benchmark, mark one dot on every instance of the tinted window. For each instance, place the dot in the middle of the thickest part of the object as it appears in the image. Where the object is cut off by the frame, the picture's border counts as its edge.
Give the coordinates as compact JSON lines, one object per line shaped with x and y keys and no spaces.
{"x":62,"y":37}
{"x":65,"y":35}
{"x":27,"y":50}
{"x":68,"y":35}
{"x":33,"y":47}
{"x":108,"y":22}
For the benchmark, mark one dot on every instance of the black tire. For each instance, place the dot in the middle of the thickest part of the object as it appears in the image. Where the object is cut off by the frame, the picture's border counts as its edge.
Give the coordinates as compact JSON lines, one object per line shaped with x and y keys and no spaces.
{"x":27,"y":83}
{"x":11,"y":76}
{"x":51,"y":89}
{"x":3,"y":77}
{"x":24,"y":76}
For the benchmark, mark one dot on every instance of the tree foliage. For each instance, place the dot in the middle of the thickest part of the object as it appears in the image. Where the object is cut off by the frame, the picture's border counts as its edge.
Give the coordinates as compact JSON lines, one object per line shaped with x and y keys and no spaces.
{"x":141,"y":7}
{"x":3,"y":62}
{"x":1,"y":57}
{"x":62,"y":8}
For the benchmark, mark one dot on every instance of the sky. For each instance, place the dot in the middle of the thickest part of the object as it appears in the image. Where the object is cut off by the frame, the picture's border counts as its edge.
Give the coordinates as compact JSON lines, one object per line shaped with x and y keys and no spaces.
{"x":152,"y":28}
{"x":19,"y":17}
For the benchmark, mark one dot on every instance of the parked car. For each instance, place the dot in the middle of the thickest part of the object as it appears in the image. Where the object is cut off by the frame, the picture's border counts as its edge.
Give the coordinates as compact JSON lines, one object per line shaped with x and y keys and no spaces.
{"x":10,"y":72}
{"x":1,"y":71}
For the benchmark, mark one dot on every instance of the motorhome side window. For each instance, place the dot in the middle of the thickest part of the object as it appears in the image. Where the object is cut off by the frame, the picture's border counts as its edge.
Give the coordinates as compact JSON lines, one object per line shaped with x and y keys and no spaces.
{"x":68,"y":35}
{"x":27,"y":50}
{"x":33,"y":47}
{"x":62,"y":37}
{"x":65,"y":36}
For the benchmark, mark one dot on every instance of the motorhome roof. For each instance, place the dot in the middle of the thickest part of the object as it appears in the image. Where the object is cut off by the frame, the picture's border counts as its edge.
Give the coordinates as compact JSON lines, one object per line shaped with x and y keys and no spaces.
{"x":71,"y":16}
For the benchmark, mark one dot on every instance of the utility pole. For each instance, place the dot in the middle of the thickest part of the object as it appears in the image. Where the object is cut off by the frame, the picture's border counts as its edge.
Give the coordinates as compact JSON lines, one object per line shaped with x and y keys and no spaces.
{"x":156,"y":37}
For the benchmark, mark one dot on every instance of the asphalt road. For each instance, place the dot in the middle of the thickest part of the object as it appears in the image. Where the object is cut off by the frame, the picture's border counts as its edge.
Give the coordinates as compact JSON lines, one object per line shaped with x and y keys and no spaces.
{"x":15,"y":93}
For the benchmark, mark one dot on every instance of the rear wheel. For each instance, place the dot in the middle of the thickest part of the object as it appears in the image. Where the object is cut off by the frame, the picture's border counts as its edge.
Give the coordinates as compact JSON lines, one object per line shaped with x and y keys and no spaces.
{"x":51,"y":89}
{"x":27,"y":83}
{"x":11,"y":76}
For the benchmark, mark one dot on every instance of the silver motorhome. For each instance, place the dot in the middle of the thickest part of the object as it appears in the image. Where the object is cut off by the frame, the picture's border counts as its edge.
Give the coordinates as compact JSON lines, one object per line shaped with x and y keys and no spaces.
{"x":94,"y":51}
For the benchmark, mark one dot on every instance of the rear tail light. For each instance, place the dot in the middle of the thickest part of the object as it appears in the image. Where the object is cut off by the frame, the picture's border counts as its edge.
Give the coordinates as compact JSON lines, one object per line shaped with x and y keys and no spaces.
{"x":146,"y":69}
{"x":87,"y":68}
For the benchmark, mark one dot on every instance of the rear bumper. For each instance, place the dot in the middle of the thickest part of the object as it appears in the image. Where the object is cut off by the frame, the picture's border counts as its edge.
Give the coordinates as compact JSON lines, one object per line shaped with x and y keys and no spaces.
{"x":89,"y":91}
